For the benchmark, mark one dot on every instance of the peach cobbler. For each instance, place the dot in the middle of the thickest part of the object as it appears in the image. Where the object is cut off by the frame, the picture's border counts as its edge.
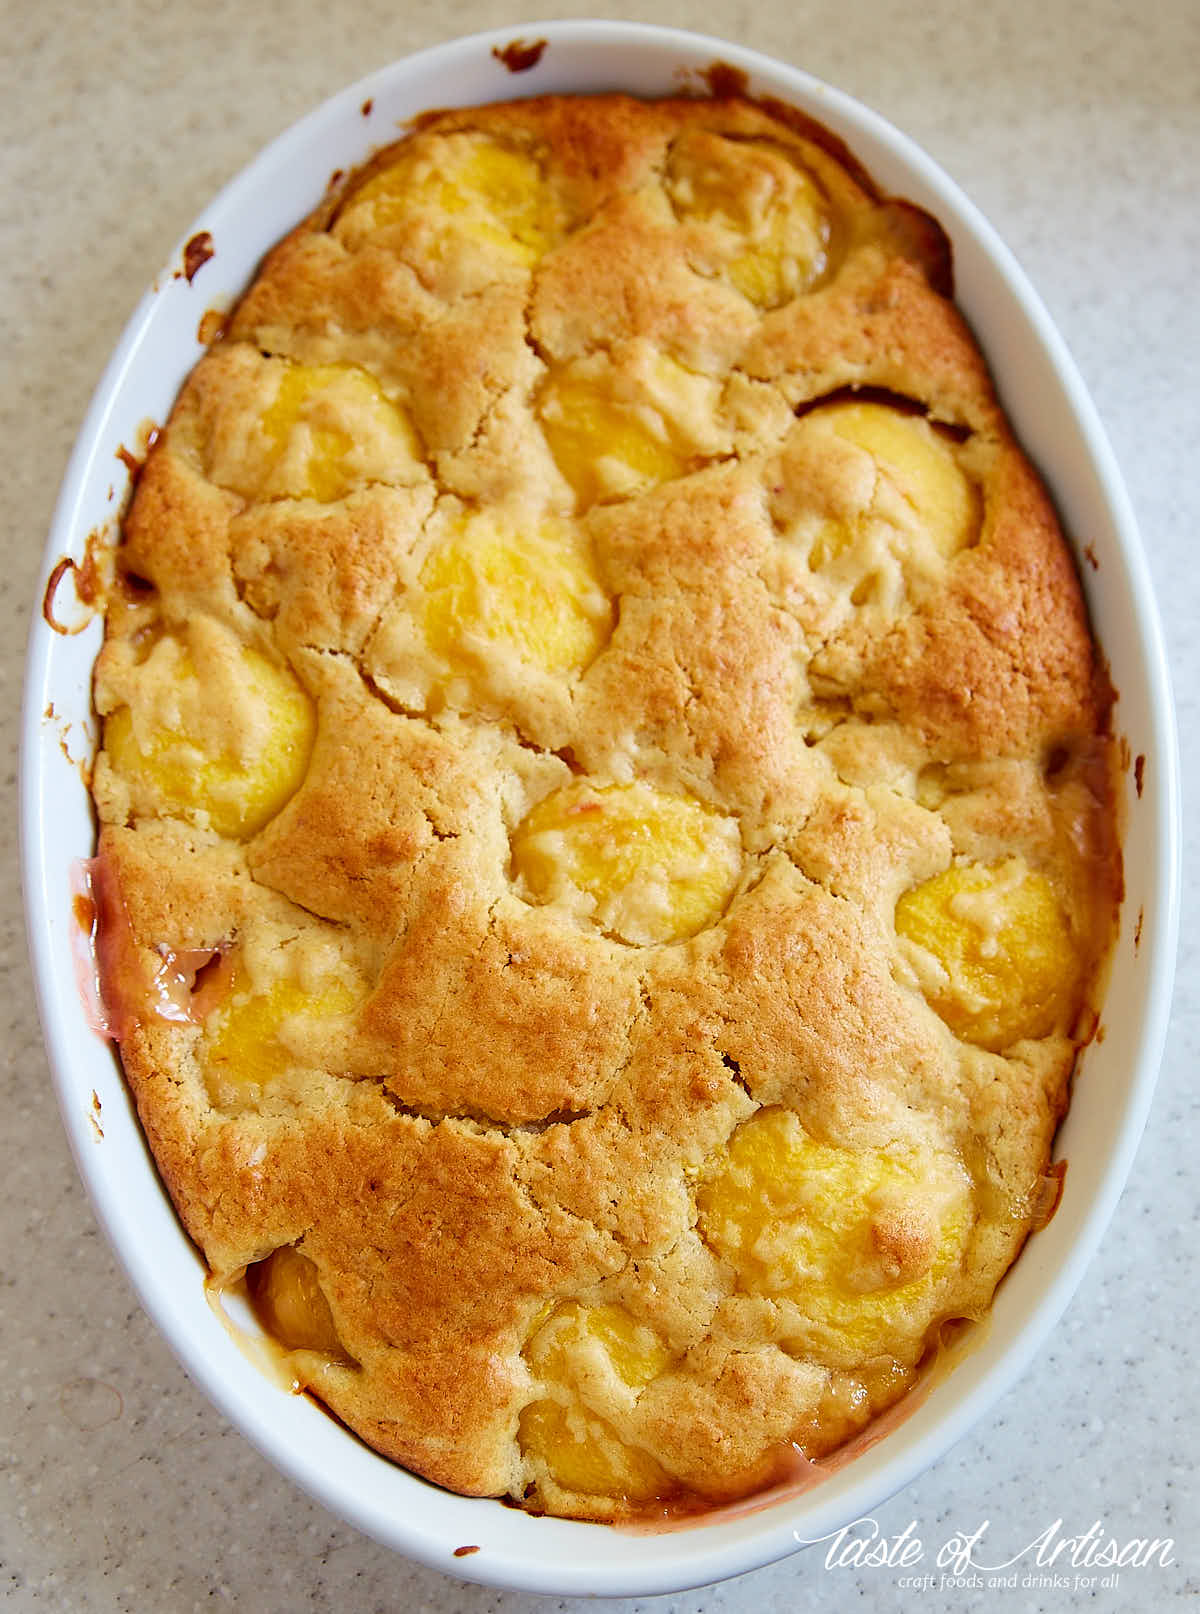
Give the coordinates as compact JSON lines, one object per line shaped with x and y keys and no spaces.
{"x":606,"y":820}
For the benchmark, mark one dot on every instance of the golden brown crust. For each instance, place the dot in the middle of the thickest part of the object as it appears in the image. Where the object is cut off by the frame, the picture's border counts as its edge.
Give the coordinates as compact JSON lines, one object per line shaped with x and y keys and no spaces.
{"x":584,"y":458}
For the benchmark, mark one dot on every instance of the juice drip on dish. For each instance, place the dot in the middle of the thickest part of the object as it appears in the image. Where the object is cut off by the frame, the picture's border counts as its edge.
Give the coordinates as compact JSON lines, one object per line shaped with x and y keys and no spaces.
{"x":118,"y":985}
{"x":84,"y":943}
{"x":271,"y":1359}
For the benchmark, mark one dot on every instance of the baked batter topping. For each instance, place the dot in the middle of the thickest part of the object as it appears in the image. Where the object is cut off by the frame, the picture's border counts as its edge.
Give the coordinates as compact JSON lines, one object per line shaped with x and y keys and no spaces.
{"x":603,"y":742}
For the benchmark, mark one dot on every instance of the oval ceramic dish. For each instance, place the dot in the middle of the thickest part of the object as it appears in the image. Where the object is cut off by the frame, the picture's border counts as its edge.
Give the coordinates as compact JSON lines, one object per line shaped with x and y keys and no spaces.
{"x":1054,"y":418}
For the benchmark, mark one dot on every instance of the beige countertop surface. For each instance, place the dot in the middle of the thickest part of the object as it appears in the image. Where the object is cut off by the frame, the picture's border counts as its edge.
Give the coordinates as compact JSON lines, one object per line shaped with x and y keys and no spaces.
{"x":1075,"y":126}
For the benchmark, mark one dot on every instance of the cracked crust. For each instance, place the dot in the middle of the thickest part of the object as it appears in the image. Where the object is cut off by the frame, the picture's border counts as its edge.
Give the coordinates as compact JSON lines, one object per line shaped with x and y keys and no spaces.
{"x":506,"y":1140}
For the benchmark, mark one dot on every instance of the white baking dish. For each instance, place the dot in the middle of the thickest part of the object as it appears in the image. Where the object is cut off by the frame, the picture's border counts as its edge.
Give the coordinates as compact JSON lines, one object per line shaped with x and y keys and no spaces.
{"x":1058,"y":425}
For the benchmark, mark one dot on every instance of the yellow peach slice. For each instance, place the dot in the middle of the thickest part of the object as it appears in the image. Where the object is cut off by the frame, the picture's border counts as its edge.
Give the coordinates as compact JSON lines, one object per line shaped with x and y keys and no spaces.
{"x":585,"y":1454}
{"x":246,"y":1047}
{"x":291,"y":1305}
{"x":921,"y":465}
{"x":230,"y":763}
{"x":993,"y":951}
{"x":329,"y":429}
{"x":508,"y":187}
{"x":493,"y":193}
{"x":777,"y":220}
{"x":607,"y":443}
{"x":641,"y":865}
{"x":572,"y":1354}
{"x":632,"y":1349}
{"x":786,"y":259}
{"x":534,"y":591}
{"x":859,"y":1239}
{"x":919,"y":485}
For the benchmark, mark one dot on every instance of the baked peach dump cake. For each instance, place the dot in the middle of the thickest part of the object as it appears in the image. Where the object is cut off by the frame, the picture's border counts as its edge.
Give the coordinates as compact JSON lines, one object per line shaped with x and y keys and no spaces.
{"x":606,"y":846}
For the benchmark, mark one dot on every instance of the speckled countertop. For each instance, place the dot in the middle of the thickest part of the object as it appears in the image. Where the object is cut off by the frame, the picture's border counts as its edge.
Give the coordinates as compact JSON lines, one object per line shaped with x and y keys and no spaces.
{"x":1075,"y":125}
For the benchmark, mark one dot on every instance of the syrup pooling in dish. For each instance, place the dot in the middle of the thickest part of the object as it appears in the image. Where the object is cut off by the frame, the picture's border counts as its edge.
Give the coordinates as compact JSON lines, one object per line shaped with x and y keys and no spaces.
{"x":594,"y":934}
{"x":287,"y":1294}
